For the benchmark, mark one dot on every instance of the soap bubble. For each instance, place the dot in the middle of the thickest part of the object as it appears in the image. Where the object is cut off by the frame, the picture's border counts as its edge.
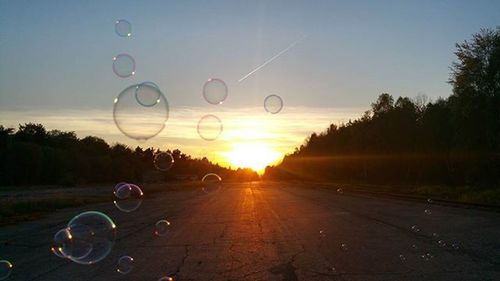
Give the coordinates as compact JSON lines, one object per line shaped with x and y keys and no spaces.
{"x":63,"y":245}
{"x":209,"y":127}
{"x":124,"y":65}
{"x":92,"y":237}
{"x":211,"y":183}
{"x":128,"y":198}
{"x":344,"y":247}
{"x":455,"y":246}
{"x":435,"y":235}
{"x":430,"y":201}
{"x":148,"y":96}
{"x":215,"y":91}
{"x":414,"y":247}
{"x":427,"y":257}
{"x":125,"y":264}
{"x":5,"y":269}
{"x":273,"y":104}
{"x":162,"y":228}
{"x":137,"y":121}
{"x":428,"y":212}
{"x":322,"y":234}
{"x":415,"y":228}
{"x":340,"y":191}
{"x":123,"y":28}
{"x":117,"y":186}
{"x":166,"y":278}
{"x":442,"y":243}
{"x":163,"y":161}
{"x":402,"y":258}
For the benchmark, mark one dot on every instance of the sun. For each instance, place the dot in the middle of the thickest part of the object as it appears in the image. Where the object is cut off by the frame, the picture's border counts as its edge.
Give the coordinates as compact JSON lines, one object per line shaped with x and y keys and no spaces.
{"x":254,"y":155}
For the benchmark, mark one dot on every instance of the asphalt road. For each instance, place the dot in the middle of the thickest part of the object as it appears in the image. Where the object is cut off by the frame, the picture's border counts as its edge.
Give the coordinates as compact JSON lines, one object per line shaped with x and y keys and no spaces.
{"x":279,"y":231}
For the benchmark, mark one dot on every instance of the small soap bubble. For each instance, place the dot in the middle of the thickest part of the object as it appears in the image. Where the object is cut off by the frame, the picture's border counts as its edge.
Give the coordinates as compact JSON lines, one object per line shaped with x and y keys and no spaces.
{"x":441,"y":243}
{"x":62,"y":244}
{"x":273,"y":104}
{"x":117,"y":186}
{"x":163,"y":161}
{"x":427,"y":257}
{"x":148,"y":94}
{"x":166,"y":278}
{"x":428,"y":212}
{"x":215,"y":91}
{"x":125,"y":264}
{"x":435,"y":235}
{"x":402,"y":258}
{"x":128,"y":198}
{"x":136,"y":120}
{"x":344,"y":247}
{"x":92,"y":236}
{"x":209,"y":127}
{"x":430,"y":201}
{"x":322,"y":234}
{"x":414,"y":247}
{"x":455,"y":246}
{"x":340,"y":191}
{"x":5,"y":269}
{"x":123,"y":28}
{"x":162,"y":228}
{"x":124,"y":65}
{"x":211,"y":183}
{"x":415,"y":228}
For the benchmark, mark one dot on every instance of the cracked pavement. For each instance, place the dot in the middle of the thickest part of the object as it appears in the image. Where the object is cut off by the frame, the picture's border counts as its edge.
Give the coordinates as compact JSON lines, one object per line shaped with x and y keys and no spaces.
{"x":273,"y":231}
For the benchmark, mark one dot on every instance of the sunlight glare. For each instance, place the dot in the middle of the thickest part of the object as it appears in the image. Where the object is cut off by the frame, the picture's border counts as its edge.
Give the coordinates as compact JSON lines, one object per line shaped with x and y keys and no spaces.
{"x":254,"y":155}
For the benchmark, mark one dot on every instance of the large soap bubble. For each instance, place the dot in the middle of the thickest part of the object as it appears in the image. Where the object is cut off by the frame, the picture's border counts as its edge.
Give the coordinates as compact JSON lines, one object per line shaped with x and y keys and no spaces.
{"x":92,"y":235}
{"x":136,"y":120}
{"x":5,"y":269}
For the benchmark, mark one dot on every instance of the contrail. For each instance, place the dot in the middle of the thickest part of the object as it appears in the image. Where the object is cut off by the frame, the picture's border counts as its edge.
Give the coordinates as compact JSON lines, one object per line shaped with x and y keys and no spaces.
{"x":272,"y":58}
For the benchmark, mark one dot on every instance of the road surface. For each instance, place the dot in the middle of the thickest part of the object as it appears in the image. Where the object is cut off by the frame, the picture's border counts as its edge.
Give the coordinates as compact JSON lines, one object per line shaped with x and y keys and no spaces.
{"x":274,"y":231}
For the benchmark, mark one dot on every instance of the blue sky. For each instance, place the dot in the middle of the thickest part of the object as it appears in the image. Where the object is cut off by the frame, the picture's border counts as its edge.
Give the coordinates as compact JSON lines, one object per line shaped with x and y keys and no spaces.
{"x":57,"y":55}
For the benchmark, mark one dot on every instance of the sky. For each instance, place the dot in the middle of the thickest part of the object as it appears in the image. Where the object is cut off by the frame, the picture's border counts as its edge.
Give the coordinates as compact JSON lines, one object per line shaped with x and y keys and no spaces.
{"x":56,"y":62}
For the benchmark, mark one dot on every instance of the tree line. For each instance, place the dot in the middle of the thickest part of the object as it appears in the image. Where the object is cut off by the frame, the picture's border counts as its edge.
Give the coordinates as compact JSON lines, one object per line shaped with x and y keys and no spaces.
{"x":32,"y":155}
{"x":454,"y":140}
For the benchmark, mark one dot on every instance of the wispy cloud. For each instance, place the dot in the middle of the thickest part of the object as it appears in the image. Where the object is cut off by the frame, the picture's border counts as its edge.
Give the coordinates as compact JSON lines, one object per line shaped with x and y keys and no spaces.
{"x":283,"y":131}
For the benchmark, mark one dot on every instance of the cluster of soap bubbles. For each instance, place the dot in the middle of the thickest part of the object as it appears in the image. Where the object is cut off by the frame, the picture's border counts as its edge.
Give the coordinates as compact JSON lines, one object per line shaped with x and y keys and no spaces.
{"x":214,"y":92}
{"x":426,"y":256}
{"x":5,"y":269}
{"x":128,"y":197}
{"x":88,"y":238}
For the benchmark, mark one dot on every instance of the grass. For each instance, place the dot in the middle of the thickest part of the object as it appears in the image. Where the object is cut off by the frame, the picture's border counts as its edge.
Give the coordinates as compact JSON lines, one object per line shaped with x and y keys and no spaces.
{"x":463,"y":194}
{"x":21,"y":204}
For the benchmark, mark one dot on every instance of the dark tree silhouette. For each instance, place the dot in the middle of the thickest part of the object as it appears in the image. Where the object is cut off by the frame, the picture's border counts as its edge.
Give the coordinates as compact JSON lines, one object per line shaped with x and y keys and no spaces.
{"x":452,"y":141}
{"x":31,"y":155}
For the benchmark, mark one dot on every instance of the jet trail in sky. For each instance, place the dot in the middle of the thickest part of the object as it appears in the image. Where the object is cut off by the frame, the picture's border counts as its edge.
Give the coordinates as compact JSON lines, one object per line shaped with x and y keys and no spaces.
{"x":272,"y":58}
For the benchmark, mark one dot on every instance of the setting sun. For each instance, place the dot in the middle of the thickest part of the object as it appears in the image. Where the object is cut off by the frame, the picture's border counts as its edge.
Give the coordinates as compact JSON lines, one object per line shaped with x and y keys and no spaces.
{"x":254,"y":155}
